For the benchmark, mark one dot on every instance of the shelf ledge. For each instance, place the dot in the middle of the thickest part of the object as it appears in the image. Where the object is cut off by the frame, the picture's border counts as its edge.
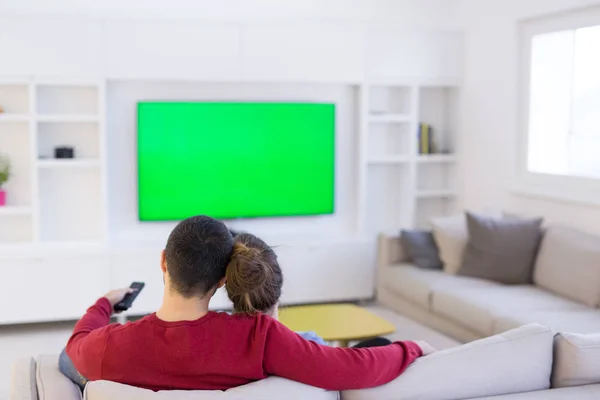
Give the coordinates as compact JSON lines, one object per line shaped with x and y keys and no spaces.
{"x":435,"y":194}
{"x":389,"y":160}
{"x":68,"y":163}
{"x":388,"y":118}
{"x":14,"y":210}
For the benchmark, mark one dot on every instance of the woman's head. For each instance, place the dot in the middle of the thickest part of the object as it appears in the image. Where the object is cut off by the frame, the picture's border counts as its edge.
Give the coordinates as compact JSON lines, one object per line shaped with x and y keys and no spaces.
{"x":254,"y":278}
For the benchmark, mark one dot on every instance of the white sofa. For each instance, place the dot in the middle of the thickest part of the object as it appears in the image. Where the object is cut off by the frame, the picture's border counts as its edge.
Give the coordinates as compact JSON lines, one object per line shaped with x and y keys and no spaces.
{"x":520,"y":364}
{"x":565,"y":295}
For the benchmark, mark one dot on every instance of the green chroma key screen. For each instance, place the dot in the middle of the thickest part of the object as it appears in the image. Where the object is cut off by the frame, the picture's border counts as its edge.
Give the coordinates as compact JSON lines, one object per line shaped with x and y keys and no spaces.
{"x":235,"y":160}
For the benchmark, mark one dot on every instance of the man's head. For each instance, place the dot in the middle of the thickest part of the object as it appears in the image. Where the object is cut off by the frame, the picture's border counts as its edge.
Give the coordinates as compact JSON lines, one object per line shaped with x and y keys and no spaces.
{"x":196,"y":256}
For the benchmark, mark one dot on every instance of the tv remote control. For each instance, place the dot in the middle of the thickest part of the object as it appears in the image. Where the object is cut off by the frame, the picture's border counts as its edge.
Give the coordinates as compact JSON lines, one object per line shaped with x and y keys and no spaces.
{"x":129,"y":297}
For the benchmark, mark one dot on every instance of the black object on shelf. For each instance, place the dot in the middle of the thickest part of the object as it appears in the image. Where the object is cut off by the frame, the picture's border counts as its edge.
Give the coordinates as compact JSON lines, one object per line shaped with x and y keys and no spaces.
{"x":64,"y":152}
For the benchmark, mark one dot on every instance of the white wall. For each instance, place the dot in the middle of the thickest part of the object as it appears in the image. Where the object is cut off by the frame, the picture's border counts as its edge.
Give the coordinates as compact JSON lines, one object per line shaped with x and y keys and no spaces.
{"x":489,"y":108}
{"x":422,"y":14}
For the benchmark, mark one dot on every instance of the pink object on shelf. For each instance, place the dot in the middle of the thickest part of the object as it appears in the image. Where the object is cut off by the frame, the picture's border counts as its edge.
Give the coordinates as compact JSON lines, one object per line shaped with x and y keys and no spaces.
{"x":2,"y":198}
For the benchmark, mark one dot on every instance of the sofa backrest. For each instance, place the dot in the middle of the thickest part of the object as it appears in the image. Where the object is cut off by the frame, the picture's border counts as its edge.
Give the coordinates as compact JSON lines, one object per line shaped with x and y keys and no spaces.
{"x":568,"y":264}
{"x":516,"y":361}
{"x":270,"y":388}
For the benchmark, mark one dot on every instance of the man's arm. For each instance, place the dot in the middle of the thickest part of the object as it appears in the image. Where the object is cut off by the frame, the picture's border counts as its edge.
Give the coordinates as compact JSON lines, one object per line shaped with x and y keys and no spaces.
{"x":289,"y":356}
{"x":86,"y":345}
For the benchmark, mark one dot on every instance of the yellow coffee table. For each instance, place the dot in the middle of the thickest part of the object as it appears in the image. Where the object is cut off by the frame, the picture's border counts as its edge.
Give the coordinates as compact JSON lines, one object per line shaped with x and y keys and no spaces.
{"x":336,"y":322}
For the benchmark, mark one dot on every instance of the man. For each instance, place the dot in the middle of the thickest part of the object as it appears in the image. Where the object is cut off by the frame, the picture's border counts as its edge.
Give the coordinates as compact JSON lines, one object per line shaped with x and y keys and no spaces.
{"x":185,"y":346}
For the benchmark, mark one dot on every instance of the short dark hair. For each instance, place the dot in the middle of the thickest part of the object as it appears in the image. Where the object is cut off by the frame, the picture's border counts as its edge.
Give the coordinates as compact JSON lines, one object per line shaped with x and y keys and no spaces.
{"x":197,"y":254}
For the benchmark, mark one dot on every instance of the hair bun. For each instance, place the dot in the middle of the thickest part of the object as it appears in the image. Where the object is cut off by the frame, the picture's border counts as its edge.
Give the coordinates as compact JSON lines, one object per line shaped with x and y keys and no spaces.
{"x":245,"y":272}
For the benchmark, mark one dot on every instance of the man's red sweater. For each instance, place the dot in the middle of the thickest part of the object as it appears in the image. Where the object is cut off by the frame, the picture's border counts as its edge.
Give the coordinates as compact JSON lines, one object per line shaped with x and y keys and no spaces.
{"x":221,"y":351}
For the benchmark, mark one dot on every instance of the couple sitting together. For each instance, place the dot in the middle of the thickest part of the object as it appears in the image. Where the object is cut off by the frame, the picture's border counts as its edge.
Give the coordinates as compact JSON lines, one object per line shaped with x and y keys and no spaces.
{"x":185,"y":346}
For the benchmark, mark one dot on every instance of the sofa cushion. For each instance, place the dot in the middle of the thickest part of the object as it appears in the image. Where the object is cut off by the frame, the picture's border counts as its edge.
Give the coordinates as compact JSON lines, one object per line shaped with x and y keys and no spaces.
{"x":417,"y":284}
{"x":478,"y":308}
{"x":51,"y":383}
{"x":576,"y":360}
{"x":589,"y":392}
{"x":270,"y":388}
{"x":421,"y":249}
{"x":451,"y":236}
{"x":516,"y":361}
{"x":568,"y":263}
{"x":587,"y":321}
{"x":501,"y":250}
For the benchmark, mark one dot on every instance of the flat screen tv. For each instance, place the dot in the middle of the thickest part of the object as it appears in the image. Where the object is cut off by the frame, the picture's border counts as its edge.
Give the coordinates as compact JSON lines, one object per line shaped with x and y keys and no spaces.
{"x":235,"y":160}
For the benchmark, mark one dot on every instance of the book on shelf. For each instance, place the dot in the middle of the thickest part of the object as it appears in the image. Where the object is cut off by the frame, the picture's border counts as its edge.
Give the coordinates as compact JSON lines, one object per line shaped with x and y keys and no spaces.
{"x":425,"y":139}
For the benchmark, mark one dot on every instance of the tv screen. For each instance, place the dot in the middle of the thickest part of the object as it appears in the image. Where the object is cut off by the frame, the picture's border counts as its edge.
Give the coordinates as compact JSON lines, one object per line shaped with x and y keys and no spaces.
{"x":235,"y":160}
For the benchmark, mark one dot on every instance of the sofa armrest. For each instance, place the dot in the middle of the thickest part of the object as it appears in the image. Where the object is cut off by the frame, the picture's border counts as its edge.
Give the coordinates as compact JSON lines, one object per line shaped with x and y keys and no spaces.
{"x":51,"y":383}
{"x":22,"y":380}
{"x":389,"y":250}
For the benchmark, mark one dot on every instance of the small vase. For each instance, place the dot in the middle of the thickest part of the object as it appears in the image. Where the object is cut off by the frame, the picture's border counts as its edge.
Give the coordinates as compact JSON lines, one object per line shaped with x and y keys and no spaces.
{"x":2,"y":198}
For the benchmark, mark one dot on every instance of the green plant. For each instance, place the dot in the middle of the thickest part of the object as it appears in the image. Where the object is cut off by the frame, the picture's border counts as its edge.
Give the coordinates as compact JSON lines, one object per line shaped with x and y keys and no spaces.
{"x":4,"y":170}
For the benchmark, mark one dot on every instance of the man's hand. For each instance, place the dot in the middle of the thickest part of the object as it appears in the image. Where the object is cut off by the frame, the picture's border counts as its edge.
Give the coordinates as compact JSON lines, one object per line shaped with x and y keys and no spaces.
{"x":425,"y":347}
{"x":115,"y":296}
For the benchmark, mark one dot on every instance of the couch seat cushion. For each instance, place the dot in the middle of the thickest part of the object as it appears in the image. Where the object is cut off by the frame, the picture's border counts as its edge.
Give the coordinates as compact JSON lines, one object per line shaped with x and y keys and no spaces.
{"x":270,"y":388}
{"x":513,"y":362}
{"x":477,"y":308}
{"x":416,"y":284}
{"x":587,"y":321}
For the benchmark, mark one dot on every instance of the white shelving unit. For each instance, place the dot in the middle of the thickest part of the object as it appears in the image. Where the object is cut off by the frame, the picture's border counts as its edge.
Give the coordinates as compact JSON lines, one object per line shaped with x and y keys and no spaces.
{"x":45,"y":194}
{"x":398,"y":187}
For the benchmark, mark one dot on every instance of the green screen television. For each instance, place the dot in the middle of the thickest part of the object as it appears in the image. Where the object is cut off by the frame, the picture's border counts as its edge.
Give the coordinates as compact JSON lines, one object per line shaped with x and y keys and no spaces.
{"x":235,"y":160}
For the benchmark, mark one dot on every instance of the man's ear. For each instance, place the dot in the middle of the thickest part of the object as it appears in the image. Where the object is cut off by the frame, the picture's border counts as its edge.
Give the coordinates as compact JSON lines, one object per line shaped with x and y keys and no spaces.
{"x":221,"y":283}
{"x":163,"y":262}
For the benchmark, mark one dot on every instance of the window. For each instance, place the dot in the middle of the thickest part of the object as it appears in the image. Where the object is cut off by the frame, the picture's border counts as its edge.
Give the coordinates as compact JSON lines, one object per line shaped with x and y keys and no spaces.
{"x":561,"y":103}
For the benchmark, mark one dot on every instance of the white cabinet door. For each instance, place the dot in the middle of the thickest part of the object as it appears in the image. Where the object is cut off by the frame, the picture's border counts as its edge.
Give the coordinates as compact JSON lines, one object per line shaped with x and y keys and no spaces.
{"x":139,"y":266}
{"x":46,"y":46}
{"x":171,"y":50}
{"x":302,"y":52}
{"x":327,"y":272}
{"x":397,"y":54}
{"x":51,"y":288}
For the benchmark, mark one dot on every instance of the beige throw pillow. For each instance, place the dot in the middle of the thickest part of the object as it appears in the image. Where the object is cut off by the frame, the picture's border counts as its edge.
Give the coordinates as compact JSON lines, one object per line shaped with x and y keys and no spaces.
{"x":576,"y":360}
{"x":451,"y":236}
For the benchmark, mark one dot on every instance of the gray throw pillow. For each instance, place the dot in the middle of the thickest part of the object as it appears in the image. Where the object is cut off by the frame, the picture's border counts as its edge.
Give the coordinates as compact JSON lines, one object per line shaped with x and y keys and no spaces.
{"x":501,"y":250}
{"x":421,"y":249}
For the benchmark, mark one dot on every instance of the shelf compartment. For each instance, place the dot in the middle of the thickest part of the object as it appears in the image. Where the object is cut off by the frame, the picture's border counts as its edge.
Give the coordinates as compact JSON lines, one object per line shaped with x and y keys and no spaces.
{"x":83,"y":137}
{"x":387,"y":205}
{"x":434,"y":177}
{"x":386,"y":141}
{"x":389,"y":100}
{"x":71,"y":205}
{"x":438,"y":107}
{"x":14,"y":98}
{"x":67,"y":100}
{"x":16,"y":226}
{"x":15,"y":144}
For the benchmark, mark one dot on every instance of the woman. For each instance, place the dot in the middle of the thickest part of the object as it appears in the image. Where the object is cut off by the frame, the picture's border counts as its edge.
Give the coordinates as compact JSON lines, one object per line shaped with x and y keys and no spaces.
{"x":254,"y":282}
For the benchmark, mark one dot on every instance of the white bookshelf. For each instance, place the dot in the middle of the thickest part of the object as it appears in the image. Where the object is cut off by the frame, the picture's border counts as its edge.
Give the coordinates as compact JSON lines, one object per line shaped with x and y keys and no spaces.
{"x":45,"y":194}
{"x":398,"y":187}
